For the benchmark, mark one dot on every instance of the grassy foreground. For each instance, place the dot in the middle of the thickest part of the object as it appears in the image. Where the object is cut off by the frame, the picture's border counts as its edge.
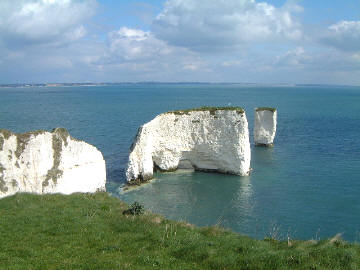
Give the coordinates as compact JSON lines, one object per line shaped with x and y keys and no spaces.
{"x":88,"y":231}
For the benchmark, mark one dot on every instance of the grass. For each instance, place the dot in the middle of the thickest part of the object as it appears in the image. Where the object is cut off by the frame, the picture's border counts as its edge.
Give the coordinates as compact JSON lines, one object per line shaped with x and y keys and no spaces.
{"x":265,"y":109}
{"x":89,"y":231}
{"x":212,"y":110}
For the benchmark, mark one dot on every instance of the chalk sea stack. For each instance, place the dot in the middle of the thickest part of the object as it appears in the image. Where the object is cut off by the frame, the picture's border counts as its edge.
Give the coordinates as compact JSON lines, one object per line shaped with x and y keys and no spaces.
{"x":265,"y":126}
{"x":206,"y":139}
{"x":49,"y":162}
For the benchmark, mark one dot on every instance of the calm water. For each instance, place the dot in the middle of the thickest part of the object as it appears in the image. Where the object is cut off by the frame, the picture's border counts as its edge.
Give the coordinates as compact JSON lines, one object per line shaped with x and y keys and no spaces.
{"x":307,"y":186}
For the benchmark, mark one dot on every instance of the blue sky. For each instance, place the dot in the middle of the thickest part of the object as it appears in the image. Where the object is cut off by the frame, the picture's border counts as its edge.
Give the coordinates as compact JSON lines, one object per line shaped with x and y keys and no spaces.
{"x":272,"y":41}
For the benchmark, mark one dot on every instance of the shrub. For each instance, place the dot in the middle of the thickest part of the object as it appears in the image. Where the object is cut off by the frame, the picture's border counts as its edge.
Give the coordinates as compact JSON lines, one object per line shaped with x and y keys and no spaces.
{"x":135,"y":209}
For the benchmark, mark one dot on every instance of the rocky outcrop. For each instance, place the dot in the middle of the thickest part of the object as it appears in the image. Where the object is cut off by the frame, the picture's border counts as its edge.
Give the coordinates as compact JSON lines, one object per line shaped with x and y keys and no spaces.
{"x":208,"y":139}
{"x":44,"y":162}
{"x":265,"y":126}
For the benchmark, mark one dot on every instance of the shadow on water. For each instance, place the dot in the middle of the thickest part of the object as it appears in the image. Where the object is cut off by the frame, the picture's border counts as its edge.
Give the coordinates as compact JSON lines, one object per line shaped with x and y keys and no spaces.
{"x":116,"y":176}
{"x":261,"y":156}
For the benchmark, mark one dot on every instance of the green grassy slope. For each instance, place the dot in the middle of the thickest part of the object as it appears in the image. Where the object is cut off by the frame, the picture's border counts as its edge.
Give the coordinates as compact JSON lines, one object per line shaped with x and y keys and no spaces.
{"x":84,"y":231}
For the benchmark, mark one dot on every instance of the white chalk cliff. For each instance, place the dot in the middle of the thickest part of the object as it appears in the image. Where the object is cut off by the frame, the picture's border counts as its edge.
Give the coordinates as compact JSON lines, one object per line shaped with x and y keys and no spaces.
{"x":44,"y":162}
{"x":209,"y":139}
{"x":265,"y":126}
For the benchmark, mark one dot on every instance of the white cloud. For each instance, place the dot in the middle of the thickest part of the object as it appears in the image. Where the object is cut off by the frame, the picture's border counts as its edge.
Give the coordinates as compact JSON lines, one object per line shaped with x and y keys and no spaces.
{"x":26,"y":22}
{"x":133,"y":44}
{"x":196,"y":65}
{"x":244,"y":41}
{"x":295,"y":58}
{"x":214,"y":24}
{"x":148,"y":52}
{"x":318,"y":62}
{"x":344,"y":35}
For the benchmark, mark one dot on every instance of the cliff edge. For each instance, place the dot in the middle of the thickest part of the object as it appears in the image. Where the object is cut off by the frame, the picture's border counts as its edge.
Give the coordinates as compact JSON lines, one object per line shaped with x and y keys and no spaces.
{"x":44,"y":162}
{"x":207,"y":139}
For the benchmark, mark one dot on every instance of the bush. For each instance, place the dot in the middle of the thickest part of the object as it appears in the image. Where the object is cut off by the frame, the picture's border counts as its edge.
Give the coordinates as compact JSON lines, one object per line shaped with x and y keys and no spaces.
{"x":135,"y":209}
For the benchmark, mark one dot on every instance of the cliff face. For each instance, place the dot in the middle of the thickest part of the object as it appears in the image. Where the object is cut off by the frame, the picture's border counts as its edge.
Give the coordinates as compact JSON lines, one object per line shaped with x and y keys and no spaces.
{"x":205,"y":139}
{"x":44,"y":162}
{"x":265,"y":126}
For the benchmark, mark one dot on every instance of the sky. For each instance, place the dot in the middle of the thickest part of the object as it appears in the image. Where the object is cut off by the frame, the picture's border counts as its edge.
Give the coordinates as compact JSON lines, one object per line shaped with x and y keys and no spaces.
{"x":240,"y":41}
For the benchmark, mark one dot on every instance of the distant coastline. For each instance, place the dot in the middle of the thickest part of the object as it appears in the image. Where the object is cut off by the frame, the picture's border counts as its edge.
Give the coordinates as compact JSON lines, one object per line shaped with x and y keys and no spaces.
{"x":29,"y":85}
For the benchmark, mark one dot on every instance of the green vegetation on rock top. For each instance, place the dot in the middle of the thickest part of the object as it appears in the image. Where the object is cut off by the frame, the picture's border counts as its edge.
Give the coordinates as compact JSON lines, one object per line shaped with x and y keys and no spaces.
{"x":59,"y":137}
{"x":62,"y":132}
{"x":6,"y":133}
{"x":23,"y":139}
{"x":3,"y":187}
{"x":89,"y":231}
{"x":265,"y":109}
{"x":212,"y":110}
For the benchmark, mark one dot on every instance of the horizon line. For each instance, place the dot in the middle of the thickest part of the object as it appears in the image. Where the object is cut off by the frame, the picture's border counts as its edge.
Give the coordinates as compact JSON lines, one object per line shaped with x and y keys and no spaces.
{"x":59,"y":84}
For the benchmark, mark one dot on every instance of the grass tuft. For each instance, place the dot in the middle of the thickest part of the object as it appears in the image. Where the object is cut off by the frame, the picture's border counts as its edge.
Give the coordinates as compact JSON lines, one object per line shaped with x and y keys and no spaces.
{"x":135,"y":209}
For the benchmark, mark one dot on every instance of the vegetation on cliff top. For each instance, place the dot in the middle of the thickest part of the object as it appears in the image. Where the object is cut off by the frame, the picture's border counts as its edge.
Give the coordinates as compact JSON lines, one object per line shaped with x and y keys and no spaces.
{"x":265,"y":109}
{"x":59,"y":137}
{"x":89,"y":231}
{"x":212,"y":110}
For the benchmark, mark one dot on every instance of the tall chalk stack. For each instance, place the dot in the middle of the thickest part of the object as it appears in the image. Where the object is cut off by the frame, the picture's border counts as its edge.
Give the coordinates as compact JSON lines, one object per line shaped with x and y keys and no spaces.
{"x":207,"y":139}
{"x":265,"y":126}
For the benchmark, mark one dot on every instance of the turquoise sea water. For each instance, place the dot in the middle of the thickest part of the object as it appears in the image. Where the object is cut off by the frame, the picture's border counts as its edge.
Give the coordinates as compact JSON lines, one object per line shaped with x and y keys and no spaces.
{"x":307,"y":186}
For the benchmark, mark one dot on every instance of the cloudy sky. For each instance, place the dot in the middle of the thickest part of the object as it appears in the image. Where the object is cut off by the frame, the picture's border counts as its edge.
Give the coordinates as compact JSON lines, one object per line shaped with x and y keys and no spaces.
{"x":270,"y":41}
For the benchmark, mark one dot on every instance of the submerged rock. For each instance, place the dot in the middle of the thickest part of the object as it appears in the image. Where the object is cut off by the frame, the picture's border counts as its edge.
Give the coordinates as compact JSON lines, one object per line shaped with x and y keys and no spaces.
{"x":207,"y":139}
{"x":44,"y":162}
{"x":265,"y":126}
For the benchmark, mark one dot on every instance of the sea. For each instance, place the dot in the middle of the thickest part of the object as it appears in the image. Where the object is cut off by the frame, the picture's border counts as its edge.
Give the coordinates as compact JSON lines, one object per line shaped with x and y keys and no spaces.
{"x":306,"y":187}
